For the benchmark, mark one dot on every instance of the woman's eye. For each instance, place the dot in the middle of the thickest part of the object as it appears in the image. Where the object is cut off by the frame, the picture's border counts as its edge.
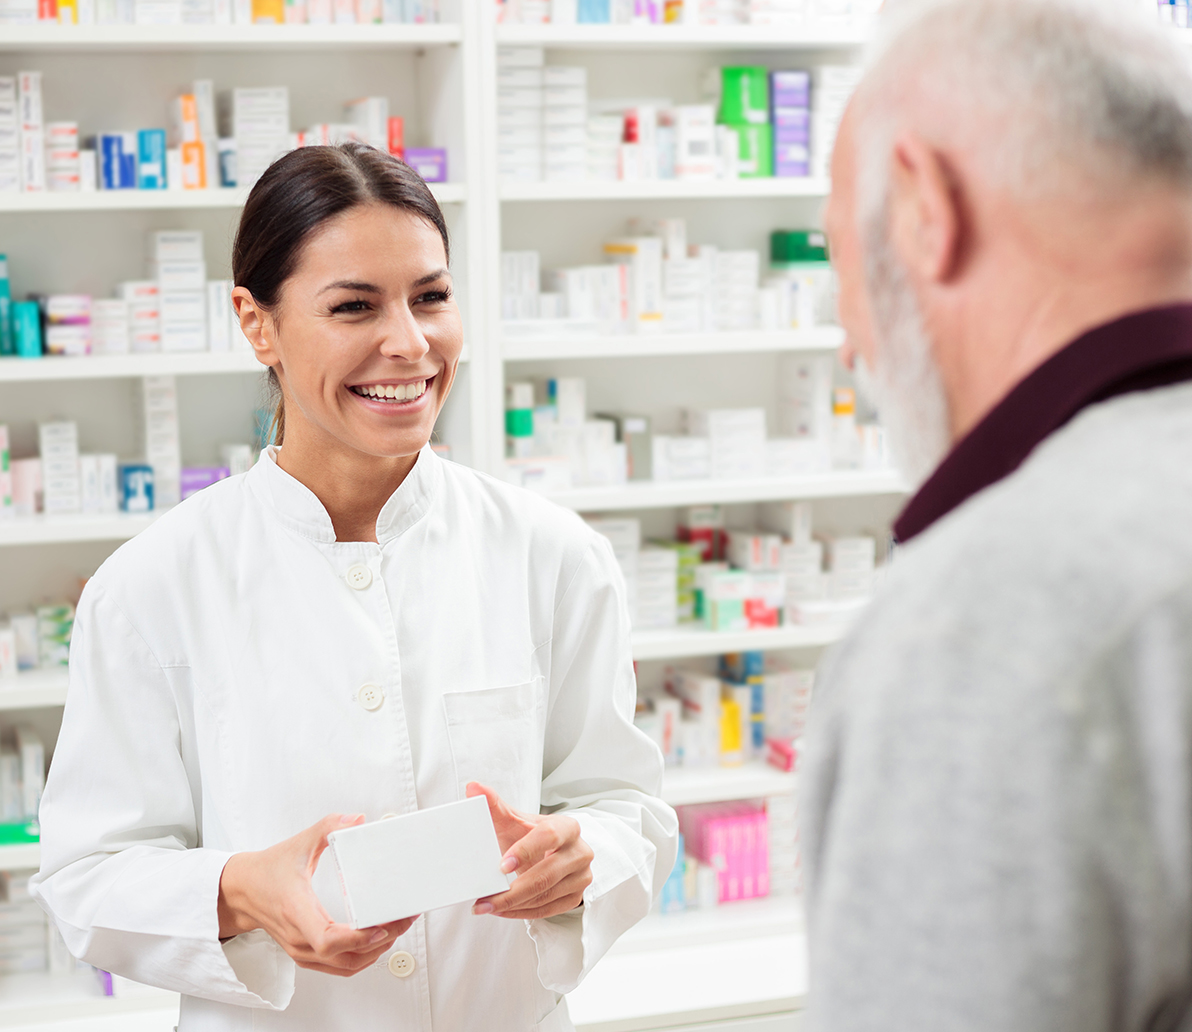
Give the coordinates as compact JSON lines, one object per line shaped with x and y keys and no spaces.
{"x":351,"y":307}
{"x":434,"y":297}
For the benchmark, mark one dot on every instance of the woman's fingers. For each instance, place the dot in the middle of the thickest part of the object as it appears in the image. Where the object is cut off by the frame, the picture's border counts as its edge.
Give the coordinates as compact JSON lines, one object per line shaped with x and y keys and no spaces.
{"x":561,"y":897}
{"x":509,"y":824}
{"x":570,"y":881}
{"x":541,"y":882}
{"x":314,"y":839}
{"x":271,"y":889}
{"x":547,"y":836}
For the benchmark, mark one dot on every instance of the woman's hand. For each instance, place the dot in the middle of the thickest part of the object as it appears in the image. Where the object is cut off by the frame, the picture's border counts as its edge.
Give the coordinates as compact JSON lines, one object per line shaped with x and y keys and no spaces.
{"x":553,"y":864}
{"x":272,"y":890}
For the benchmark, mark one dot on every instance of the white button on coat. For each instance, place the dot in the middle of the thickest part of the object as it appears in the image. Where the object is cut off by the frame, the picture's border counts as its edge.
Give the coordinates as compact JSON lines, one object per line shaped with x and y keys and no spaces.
{"x":401,"y":964}
{"x":370,"y":697}
{"x":358,"y":576}
{"x":214,"y":675}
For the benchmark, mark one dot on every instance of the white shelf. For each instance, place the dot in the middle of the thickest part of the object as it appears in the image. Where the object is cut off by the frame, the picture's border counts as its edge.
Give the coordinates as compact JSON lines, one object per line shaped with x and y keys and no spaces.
{"x":33,"y":689}
{"x":38,"y":997}
{"x":695,"y":985}
{"x":693,"y":640}
{"x":26,"y":857}
{"x":682,"y":786}
{"x":780,"y":915}
{"x":685,"y":37}
{"x":225,"y":37}
{"x":43,"y":530}
{"x":92,"y":367}
{"x":664,"y":189}
{"x":669,"y":494}
{"x":161,"y":200}
{"x":561,"y":347}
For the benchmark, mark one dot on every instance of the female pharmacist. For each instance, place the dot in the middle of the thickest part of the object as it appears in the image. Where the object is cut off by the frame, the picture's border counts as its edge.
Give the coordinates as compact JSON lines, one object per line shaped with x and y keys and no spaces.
{"x":354,"y":628}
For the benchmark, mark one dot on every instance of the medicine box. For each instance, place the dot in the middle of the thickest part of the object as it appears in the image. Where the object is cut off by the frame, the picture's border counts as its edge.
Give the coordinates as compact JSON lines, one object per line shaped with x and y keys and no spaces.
{"x":403,"y":866}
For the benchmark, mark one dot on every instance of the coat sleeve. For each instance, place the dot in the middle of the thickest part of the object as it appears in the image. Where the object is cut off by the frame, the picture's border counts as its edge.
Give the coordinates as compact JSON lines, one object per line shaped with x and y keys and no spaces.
{"x":601,"y":770}
{"x":124,"y":873}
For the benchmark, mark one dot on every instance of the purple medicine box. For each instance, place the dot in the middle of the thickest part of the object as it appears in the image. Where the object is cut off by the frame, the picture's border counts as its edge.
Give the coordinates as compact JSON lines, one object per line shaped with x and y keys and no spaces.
{"x":429,"y":162}
{"x":195,"y":478}
{"x":790,"y":89}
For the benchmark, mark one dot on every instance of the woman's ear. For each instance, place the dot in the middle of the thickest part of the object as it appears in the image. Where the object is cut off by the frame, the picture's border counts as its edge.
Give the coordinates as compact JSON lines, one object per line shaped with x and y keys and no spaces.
{"x":257,"y":325}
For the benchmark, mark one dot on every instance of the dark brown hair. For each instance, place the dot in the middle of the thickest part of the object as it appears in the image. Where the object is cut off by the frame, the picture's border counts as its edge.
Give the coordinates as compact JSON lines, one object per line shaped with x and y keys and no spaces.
{"x":298,"y":193}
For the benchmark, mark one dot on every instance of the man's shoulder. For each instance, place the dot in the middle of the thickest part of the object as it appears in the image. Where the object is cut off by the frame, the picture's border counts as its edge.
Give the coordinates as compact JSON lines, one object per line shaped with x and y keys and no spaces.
{"x":1033,"y":572}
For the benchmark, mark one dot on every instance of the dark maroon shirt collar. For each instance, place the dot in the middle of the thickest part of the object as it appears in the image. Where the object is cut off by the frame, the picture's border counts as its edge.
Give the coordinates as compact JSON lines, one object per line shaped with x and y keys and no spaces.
{"x":1136,"y":352}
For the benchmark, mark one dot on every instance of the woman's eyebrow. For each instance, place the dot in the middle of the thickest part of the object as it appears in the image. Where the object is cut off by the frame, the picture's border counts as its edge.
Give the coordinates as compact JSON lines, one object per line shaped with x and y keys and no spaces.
{"x":367,"y":288}
{"x":431,"y":277}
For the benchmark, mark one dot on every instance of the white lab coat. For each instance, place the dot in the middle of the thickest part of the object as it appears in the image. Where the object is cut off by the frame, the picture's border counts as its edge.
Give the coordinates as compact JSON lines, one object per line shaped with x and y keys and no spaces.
{"x":213,"y":708}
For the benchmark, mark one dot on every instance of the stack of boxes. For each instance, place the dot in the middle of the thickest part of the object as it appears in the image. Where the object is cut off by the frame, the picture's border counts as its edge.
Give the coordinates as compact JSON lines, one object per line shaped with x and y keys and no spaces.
{"x":605,"y":134}
{"x":657,"y":581}
{"x":694,"y":127}
{"x":564,"y":122}
{"x":62,"y":156}
{"x":6,"y":506}
{"x":177,"y":309}
{"x":520,"y":278}
{"x":68,"y":324}
{"x":729,"y":718}
{"x":58,"y":444}
{"x":736,"y":282}
{"x":804,"y":404}
{"x":790,"y":116}
{"x":834,"y":85}
{"x":10,"y":135}
{"x":55,"y":624}
{"x":554,"y":445}
{"x":260,"y":125}
{"x":370,"y":116}
{"x":731,"y":838}
{"x":640,"y":258}
{"x":519,"y":113}
{"x":142,"y":300}
{"x":180,"y":272}
{"x":32,"y":132}
{"x":782,"y":830}
{"x":98,"y":479}
{"x":718,"y":443}
{"x":745,"y":108}
{"x":802,"y":557}
{"x":736,"y":440}
{"x":24,"y":933}
{"x":625,"y":536}
{"x":657,"y":282}
{"x":163,"y":454}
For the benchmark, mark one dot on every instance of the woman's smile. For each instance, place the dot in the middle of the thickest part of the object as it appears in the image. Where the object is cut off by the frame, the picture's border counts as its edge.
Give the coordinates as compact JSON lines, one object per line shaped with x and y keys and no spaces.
{"x":388,"y":395}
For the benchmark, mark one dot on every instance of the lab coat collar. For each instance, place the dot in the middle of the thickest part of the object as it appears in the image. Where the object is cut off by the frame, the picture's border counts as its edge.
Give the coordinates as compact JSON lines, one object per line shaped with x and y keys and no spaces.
{"x":300,"y":510}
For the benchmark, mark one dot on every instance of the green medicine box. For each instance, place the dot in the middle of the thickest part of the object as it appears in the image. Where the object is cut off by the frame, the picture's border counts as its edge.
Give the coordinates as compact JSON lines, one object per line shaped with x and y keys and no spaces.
{"x":744,"y":96}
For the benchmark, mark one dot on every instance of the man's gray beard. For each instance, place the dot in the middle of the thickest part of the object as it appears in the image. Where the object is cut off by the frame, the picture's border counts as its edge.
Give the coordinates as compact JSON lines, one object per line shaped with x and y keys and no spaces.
{"x":904,"y":384}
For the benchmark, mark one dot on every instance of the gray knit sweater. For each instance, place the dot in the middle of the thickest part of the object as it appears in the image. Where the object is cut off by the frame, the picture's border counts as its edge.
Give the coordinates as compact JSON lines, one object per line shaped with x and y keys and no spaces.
{"x":997,"y":789}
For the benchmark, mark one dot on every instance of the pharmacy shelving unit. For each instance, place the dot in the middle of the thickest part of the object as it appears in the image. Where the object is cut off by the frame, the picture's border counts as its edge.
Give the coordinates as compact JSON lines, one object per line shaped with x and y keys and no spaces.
{"x":443,"y":78}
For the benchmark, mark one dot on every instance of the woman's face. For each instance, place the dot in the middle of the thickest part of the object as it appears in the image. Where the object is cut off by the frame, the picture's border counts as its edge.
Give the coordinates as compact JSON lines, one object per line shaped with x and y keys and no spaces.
{"x":366,"y":336}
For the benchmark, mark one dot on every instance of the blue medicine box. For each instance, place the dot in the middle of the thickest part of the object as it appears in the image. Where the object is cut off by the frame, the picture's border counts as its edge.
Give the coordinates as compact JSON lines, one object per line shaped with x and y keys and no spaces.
{"x":136,"y":488}
{"x":151,"y":159}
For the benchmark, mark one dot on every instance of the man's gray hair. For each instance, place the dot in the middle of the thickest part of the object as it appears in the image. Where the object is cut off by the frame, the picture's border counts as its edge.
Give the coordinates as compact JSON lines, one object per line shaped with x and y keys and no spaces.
{"x":1037,"y":90}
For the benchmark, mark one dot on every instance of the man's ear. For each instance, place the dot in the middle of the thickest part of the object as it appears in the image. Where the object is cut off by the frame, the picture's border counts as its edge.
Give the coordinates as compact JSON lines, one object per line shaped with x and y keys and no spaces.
{"x":927,"y":222}
{"x":257,"y":325}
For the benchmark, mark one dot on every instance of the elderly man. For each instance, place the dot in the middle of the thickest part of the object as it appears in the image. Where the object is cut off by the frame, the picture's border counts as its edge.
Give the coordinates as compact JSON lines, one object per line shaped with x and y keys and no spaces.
{"x":998,"y":795}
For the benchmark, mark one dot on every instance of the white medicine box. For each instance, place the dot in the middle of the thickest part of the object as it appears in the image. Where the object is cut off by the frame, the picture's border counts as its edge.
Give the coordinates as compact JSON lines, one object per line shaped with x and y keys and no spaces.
{"x":403,"y":866}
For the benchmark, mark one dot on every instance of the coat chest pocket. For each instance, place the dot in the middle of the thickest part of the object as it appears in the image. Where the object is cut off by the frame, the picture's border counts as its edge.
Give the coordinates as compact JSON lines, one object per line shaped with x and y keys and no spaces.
{"x":496,"y":737}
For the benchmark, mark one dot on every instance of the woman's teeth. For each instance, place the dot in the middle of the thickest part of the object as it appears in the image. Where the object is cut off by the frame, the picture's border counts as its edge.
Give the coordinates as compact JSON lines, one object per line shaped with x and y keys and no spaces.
{"x":392,"y":391}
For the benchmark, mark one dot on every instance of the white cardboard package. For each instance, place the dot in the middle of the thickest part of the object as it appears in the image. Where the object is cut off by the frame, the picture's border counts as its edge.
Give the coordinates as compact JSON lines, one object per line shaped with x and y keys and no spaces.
{"x":402,"y":866}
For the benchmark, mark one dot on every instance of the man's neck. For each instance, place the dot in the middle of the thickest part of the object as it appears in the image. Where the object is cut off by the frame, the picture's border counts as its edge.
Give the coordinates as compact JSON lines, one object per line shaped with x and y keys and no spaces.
{"x":1005,"y":343}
